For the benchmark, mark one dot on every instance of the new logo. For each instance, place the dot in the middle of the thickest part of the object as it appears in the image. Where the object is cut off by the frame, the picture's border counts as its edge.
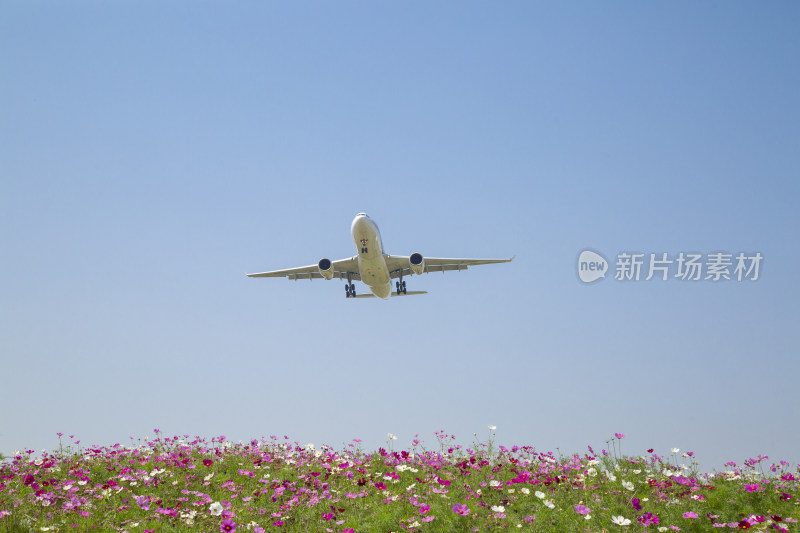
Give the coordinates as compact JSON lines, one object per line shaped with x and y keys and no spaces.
{"x":591,"y":266}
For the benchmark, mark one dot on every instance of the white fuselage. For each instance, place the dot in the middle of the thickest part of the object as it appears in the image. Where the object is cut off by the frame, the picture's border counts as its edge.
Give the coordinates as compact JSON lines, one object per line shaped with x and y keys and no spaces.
{"x":371,"y":261}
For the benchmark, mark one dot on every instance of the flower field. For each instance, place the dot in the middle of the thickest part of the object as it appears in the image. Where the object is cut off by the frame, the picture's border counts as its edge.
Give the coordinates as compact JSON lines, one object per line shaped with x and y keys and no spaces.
{"x":192,"y":484}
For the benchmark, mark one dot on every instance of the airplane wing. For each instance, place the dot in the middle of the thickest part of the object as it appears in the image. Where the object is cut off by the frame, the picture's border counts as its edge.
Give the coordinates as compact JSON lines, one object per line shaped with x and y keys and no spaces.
{"x":341,"y":269}
{"x":399,"y":264}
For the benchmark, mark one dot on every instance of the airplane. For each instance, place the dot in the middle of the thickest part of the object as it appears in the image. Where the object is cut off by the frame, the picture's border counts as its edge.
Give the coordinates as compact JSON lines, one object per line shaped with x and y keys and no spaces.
{"x":374,"y":266}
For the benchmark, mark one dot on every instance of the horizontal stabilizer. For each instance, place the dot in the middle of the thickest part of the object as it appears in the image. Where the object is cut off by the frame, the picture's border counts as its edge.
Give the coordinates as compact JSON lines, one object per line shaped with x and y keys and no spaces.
{"x":409,"y":293}
{"x":370,"y":295}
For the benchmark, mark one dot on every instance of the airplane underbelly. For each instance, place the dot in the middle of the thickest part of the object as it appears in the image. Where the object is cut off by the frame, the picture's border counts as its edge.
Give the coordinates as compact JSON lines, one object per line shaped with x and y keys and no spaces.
{"x":375,"y":274}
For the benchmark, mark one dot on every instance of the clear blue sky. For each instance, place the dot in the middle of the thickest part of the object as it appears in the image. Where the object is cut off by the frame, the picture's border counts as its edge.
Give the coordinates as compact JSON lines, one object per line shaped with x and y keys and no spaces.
{"x":152,"y":153}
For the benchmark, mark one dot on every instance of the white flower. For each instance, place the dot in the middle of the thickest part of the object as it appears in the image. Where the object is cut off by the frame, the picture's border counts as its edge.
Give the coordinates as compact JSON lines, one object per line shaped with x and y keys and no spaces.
{"x":414,"y":524}
{"x":588,"y":517}
{"x":525,"y":490}
{"x":310,"y":446}
{"x":492,"y":428}
{"x":498,"y":509}
{"x":549,"y":503}
{"x":591,"y":472}
{"x":611,"y":477}
{"x":494,"y":483}
{"x":216,"y":508}
{"x":662,"y":529}
{"x":208,"y":477}
{"x":392,"y":437}
{"x":539,"y":494}
{"x":411,"y":486}
{"x":675,"y":450}
{"x":401,"y":468}
{"x":627,"y":484}
{"x":621,"y":520}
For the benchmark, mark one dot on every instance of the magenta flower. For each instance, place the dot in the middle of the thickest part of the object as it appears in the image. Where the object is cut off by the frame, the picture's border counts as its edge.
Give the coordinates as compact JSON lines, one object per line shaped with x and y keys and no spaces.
{"x":619,"y":435}
{"x":649,"y":519}
{"x":752,"y":488}
{"x":227,"y":525}
{"x":582,"y":509}
{"x":424,"y":508}
{"x":636,"y":504}
{"x":207,"y":462}
{"x":461,"y":508}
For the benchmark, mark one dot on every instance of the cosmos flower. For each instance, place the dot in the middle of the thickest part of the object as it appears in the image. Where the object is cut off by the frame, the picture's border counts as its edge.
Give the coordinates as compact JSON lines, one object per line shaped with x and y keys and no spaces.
{"x":227,"y":525}
{"x":492,"y":428}
{"x":689,"y":514}
{"x":649,"y":519}
{"x":582,"y":509}
{"x":498,"y":509}
{"x":627,"y":484}
{"x":619,"y":435}
{"x":216,"y":509}
{"x":621,"y":520}
{"x":461,"y":508}
{"x":539,"y":494}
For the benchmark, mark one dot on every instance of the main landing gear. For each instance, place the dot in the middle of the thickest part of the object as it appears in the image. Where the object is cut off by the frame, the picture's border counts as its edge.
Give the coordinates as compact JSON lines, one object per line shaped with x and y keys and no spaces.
{"x":350,"y":291}
{"x":400,"y":286}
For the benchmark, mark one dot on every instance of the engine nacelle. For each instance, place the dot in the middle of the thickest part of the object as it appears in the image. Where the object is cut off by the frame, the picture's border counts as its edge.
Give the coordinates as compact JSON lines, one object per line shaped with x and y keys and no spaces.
{"x":417,"y":263}
{"x":326,"y":268}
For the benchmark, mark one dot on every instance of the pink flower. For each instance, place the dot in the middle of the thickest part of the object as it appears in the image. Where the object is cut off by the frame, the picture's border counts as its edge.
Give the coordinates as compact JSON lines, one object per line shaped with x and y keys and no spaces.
{"x":227,"y":525}
{"x":582,"y":509}
{"x":424,"y":508}
{"x":648,"y":519}
{"x":461,"y":508}
{"x":619,"y":435}
{"x":690,"y":514}
{"x":752,"y":488}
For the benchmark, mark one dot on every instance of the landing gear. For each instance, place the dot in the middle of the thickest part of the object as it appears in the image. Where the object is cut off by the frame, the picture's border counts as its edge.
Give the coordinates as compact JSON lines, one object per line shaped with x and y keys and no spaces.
{"x":349,"y":291}
{"x":401,"y":287}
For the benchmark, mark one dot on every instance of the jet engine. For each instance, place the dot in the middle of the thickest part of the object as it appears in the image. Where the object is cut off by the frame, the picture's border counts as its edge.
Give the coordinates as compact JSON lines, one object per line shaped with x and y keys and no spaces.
{"x":417,"y":263}
{"x":326,"y":268}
